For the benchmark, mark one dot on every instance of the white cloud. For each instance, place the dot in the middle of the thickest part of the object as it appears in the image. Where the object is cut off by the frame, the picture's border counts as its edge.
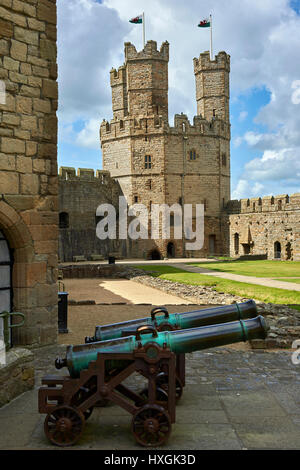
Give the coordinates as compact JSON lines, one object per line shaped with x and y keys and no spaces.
{"x":89,"y":135}
{"x":243,"y":115}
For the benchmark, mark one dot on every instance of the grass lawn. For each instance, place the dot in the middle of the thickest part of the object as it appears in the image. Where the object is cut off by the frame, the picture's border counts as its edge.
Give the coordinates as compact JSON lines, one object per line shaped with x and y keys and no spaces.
{"x":289,"y":279}
{"x":259,"y":268}
{"x":250,"y":291}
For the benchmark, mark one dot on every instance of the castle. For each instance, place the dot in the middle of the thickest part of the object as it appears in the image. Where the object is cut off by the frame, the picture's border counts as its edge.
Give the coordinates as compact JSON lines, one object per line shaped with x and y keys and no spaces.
{"x":150,"y":162}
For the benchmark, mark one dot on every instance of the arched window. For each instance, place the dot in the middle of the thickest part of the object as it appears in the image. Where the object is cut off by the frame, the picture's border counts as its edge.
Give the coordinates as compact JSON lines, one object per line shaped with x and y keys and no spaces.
{"x":63,"y":220}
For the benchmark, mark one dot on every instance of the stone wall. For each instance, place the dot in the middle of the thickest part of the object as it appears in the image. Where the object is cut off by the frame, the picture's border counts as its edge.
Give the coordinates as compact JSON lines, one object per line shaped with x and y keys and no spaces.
{"x":265,"y":226}
{"x":17,"y":375}
{"x":28,"y":162}
{"x":79,"y":196}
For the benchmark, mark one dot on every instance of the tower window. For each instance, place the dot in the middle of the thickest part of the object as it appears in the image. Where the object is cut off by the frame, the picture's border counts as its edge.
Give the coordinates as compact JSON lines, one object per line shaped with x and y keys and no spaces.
{"x":148,"y":162}
{"x":192,"y":155}
{"x":224,"y":159}
{"x":136,"y":199}
{"x":121,"y":124}
{"x":149,"y":184}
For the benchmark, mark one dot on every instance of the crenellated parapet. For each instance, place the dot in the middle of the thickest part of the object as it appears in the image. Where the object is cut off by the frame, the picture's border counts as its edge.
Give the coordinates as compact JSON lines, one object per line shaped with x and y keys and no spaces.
{"x":150,"y":51}
{"x":214,"y":127}
{"x":221,"y":61}
{"x":132,"y":126}
{"x":281,"y":202}
{"x":83,"y":174}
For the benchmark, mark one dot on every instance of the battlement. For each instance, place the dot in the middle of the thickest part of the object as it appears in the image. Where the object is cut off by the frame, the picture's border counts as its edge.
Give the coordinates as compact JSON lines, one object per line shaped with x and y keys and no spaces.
{"x":200,"y":125}
{"x":150,"y":51}
{"x":132,"y":126}
{"x":84,"y":174}
{"x":118,"y":77}
{"x":221,"y":61}
{"x":281,"y":202}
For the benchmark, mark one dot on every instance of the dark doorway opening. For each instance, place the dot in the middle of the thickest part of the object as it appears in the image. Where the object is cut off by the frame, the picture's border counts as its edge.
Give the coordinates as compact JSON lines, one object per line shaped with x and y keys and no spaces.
{"x":236,"y":243}
{"x":277,"y":250}
{"x":212,"y":244}
{"x":155,"y":254}
{"x":171,"y":250}
{"x":246,"y":248}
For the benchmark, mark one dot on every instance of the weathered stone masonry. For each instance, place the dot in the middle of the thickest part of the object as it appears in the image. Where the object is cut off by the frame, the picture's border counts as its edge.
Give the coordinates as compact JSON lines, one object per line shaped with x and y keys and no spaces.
{"x":28,"y":162}
{"x":267,"y":226}
{"x":155,"y":163}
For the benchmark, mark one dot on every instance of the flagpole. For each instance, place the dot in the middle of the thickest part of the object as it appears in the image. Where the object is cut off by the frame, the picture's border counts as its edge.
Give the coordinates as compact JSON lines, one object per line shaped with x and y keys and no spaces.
{"x":211,"y":47}
{"x":143,"y":29}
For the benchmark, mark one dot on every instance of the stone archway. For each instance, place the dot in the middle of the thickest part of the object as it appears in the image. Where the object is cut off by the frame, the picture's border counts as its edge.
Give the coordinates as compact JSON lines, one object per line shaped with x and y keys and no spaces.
{"x":20,"y":243}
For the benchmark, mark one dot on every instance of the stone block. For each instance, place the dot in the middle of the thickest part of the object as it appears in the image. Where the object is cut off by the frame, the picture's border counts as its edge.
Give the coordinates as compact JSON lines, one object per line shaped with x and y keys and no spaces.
{"x":18,"y":50}
{"x":6,"y":28}
{"x":31,"y":148}
{"x":29,"y":184}
{"x":24,"y":164}
{"x":9,"y":182}
{"x":12,"y":145}
{"x":49,"y":89}
{"x":25,"y":35}
{"x":29,"y":274}
{"x":7,"y":162}
{"x":46,"y":11}
{"x":23,"y":105}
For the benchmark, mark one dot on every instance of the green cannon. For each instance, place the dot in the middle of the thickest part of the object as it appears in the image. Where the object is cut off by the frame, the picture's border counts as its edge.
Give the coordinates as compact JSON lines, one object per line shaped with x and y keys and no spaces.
{"x":98,"y":371}
{"x":177,"y":321}
{"x":79,"y":357}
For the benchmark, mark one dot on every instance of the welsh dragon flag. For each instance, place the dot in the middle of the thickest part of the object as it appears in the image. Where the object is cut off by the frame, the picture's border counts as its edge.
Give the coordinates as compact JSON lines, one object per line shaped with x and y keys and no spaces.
{"x":137,"y":19}
{"x":204,"y":23}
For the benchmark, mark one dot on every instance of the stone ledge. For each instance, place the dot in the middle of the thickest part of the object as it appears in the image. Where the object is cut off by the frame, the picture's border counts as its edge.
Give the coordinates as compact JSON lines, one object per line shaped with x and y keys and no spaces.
{"x":17,"y":375}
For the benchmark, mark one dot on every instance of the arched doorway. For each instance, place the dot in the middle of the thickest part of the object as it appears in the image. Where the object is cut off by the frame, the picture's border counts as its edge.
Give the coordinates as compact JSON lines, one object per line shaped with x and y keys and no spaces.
{"x":171,"y":250}
{"x":6,"y":263}
{"x":277,"y":250}
{"x":155,"y":254}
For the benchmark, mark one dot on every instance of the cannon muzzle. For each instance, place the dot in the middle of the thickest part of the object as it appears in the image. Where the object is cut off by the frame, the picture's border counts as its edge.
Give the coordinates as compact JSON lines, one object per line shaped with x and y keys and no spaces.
{"x":163,"y":321}
{"x":178,"y":341}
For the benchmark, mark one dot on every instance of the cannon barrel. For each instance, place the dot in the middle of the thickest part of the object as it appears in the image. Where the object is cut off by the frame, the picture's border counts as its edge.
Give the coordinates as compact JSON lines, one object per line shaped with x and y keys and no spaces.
{"x":179,"y":341}
{"x":192,"y":319}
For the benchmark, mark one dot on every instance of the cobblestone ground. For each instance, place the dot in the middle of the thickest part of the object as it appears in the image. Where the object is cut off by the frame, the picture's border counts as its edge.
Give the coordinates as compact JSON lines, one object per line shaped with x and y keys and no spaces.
{"x":233,"y":399}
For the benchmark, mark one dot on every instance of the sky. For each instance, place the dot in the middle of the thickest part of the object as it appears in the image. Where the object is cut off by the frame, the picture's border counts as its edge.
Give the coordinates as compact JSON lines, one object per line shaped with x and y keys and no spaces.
{"x":263,"y":40}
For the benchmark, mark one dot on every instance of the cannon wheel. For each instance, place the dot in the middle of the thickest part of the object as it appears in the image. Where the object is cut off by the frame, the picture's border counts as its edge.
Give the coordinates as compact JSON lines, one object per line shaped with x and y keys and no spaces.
{"x":64,"y":425}
{"x":162,"y":381}
{"x":161,"y":394}
{"x":151,"y":425}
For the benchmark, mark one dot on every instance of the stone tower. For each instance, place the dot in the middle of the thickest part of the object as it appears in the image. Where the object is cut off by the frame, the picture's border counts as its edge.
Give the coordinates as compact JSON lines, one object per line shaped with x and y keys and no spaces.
{"x":155,"y":163}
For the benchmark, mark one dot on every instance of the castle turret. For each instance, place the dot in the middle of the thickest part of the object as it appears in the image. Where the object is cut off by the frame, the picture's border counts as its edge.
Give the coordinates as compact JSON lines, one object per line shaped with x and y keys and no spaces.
{"x":212,"y":85}
{"x":119,"y":92}
{"x":147,"y":79}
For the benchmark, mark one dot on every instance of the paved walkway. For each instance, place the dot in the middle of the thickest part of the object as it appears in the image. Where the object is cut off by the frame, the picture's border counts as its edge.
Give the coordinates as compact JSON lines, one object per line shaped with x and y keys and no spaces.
{"x":263,"y":281}
{"x":137,"y":293}
{"x":232,"y":400}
